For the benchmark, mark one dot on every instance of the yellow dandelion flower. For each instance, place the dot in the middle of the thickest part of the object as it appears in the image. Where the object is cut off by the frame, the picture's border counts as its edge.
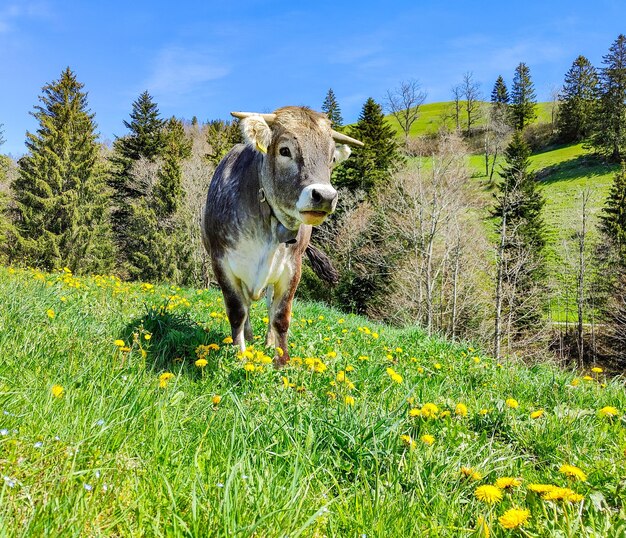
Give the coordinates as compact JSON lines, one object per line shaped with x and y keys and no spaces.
{"x":575,"y":382}
{"x":482,"y":527}
{"x":331,"y":354}
{"x":430,"y":410}
{"x":331,"y":395}
{"x":608,"y":412}
{"x":363,"y":358}
{"x":50,"y":313}
{"x":375,"y":335}
{"x":444,"y":414}
{"x":396,"y":378}
{"x":505,"y":482}
{"x":248,"y":367}
{"x":228,"y":340}
{"x":407,"y":440}
{"x":483,"y":412}
{"x":562,"y":494}
{"x":514,"y":518}
{"x":341,"y":320}
{"x":460,"y":410}
{"x":147,"y":336}
{"x":341,"y":376}
{"x":437,"y":366}
{"x":349,"y":400}
{"x":214,"y":347}
{"x":471,"y":473}
{"x":119,"y":343}
{"x":125,"y":349}
{"x":597,"y":370}
{"x":415,"y":412}
{"x":216,"y":399}
{"x":201,"y":363}
{"x":420,"y":370}
{"x":573,"y":472}
{"x":587,"y":378}
{"x":537,"y":414}
{"x":476,"y":360}
{"x":512,"y":403}
{"x":427,"y":439}
{"x":57,"y":391}
{"x":164,"y":379}
{"x":349,"y":368}
{"x":488,"y":494}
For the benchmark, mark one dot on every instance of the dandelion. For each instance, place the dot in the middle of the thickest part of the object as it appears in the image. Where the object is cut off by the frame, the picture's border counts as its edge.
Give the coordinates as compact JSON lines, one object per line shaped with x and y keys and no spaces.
{"x":476,"y":360}
{"x":430,"y":410}
{"x":541,"y":488}
{"x":125,"y":349}
{"x":57,"y":391}
{"x":363,"y":357}
{"x":488,"y":494}
{"x":331,"y":354}
{"x":164,"y":379}
{"x":537,"y":414}
{"x":608,"y":412}
{"x":341,"y":376}
{"x":248,"y":367}
{"x":575,"y":382}
{"x":587,"y":378}
{"x":50,"y":313}
{"x":214,"y":347}
{"x":349,"y":368}
{"x":427,"y":439}
{"x":508,"y":482}
{"x":119,"y":343}
{"x":396,"y":378}
{"x":597,"y":370}
{"x":414,"y":412}
{"x":460,"y":410}
{"x":562,"y":494}
{"x":408,"y":440}
{"x":201,"y":363}
{"x":573,"y":472}
{"x":349,"y":400}
{"x":147,"y":336}
{"x":514,"y":517}
{"x":482,"y":527}
{"x":228,"y":340}
{"x":512,"y":403}
{"x":437,"y":366}
{"x":471,"y":473}
{"x":216,"y":399}
{"x":483,"y":412}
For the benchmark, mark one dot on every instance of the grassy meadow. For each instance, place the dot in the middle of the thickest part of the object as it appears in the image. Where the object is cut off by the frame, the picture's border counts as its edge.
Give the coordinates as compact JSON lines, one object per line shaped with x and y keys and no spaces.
{"x":126,"y":412}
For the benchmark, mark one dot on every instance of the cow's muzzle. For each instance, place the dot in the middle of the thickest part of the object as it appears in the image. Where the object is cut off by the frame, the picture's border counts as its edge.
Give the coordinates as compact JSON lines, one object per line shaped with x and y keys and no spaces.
{"x":316,"y":202}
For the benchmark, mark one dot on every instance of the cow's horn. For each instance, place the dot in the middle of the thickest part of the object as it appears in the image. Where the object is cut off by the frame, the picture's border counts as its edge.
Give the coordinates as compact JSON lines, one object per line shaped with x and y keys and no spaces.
{"x":269,"y":118}
{"x":340,"y":137}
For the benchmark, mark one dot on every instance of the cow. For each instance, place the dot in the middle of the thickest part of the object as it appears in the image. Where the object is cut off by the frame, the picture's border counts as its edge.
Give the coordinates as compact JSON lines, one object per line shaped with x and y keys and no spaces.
{"x":264,"y":198}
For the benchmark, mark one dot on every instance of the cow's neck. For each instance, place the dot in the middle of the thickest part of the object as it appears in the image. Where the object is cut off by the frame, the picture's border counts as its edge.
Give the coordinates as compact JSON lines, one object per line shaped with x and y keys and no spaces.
{"x":281,"y":232}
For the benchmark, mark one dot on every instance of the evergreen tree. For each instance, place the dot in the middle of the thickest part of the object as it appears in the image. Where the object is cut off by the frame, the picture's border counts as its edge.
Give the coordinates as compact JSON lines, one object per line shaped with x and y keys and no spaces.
{"x":222,"y":136}
{"x":609,"y":132}
{"x":578,"y":101}
{"x":332,"y":110}
{"x":499,"y":99}
{"x":520,"y":226}
{"x":372,"y":164}
{"x":60,"y":193}
{"x":146,"y":140}
{"x":523,"y":98}
{"x":613,"y":216}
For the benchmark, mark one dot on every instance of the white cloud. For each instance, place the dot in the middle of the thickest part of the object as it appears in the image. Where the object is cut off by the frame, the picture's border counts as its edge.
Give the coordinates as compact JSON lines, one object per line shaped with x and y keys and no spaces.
{"x":178,"y":71}
{"x":12,"y":13}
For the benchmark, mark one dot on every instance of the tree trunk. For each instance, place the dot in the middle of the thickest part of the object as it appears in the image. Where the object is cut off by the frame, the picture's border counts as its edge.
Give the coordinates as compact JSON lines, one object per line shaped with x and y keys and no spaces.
{"x":497,"y":338}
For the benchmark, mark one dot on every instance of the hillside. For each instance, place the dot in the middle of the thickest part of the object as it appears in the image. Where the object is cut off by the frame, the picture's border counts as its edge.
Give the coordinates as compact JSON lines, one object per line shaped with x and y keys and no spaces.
{"x":432,"y":117}
{"x":110,"y":429}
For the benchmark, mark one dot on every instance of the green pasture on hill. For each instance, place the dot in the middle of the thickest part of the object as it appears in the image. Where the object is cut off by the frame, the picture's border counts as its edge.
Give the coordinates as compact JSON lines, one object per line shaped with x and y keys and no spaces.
{"x":123,"y":412}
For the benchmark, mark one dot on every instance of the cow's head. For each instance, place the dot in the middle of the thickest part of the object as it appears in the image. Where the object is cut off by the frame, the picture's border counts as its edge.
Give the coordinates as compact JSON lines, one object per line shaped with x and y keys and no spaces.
{"x":299,"y":152}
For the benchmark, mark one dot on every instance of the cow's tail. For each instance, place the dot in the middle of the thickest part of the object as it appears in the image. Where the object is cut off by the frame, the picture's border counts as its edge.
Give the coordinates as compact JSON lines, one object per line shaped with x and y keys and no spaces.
{"x":321,"y":264}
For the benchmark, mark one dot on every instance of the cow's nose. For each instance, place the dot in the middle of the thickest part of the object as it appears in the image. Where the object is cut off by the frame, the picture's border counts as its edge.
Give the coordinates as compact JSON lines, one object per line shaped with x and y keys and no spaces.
{"x":323,"y":196}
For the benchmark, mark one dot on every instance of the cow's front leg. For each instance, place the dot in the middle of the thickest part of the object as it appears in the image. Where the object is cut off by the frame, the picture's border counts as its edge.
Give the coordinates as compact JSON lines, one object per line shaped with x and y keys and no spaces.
{"x":237,"y":306}
{"x":280,"y":311}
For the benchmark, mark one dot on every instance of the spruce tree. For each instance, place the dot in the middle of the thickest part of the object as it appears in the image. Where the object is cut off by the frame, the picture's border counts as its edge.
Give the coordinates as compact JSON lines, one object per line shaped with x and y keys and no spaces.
{"x":332,"y":110}
{"x":499,"y":99}
{"x":609,"y":131}
{"x":578,"y":101}
{"x":523,"y":98}
{"x":373,"y":163}
{"x":144,"y":141}
{"x":613,"y":216}
{"x":521,"y":263}
{"x":60,"y":193}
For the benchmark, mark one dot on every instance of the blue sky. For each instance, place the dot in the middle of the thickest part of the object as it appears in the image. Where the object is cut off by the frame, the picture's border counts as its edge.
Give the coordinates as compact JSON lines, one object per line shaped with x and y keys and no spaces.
{"x":206,"y":58}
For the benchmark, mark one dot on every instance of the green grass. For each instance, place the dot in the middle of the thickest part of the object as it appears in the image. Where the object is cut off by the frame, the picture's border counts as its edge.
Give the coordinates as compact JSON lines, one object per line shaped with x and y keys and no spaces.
{"x":433,"y":116}
{"x":282,"y":453}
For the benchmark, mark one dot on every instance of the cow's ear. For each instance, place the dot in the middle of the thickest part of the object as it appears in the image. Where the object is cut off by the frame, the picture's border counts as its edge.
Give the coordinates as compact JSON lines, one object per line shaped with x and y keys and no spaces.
{"x":256,"y":132}
{"x":342,"y":152}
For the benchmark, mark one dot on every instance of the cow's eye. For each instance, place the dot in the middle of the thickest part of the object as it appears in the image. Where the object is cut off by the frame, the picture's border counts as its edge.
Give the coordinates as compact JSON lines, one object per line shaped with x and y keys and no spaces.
{"x":285,"y":152}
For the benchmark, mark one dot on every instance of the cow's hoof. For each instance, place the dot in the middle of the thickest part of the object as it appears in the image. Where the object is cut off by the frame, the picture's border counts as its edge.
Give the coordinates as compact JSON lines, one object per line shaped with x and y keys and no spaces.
{"x":280,"y":361}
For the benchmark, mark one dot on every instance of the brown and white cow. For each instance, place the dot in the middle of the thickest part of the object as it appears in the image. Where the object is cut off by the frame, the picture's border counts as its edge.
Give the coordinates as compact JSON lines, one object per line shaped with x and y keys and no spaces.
{"x":264,"y":197}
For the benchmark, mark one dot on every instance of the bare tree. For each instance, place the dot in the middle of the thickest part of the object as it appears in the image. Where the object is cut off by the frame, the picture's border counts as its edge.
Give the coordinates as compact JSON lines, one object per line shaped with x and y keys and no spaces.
{"x":470,"y":89}
{"x":457,"y":95}
{"x":496,"y":134}
{"x":581,"y":237}
{"x":404,"y":103}
{"x":555,"y":102}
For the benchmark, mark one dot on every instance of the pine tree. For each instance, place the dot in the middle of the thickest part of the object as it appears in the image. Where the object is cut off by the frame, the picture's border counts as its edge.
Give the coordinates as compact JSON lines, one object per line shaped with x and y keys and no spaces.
{"x":499,"y":99}
{"x":609,"y":131}
{"x":578,"y":101}
{"x":613,"y":216}
{"x":146,"y":140}
{"x":521,"y":257}
{"x":372,"y":164}
{"x":60,"y":193}
{"x":523,"y":98}
{"x":332,"y":110}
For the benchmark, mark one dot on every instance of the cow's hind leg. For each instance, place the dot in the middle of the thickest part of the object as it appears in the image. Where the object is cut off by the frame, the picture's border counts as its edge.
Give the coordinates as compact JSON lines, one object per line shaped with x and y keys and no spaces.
{"x":280,"y":311}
